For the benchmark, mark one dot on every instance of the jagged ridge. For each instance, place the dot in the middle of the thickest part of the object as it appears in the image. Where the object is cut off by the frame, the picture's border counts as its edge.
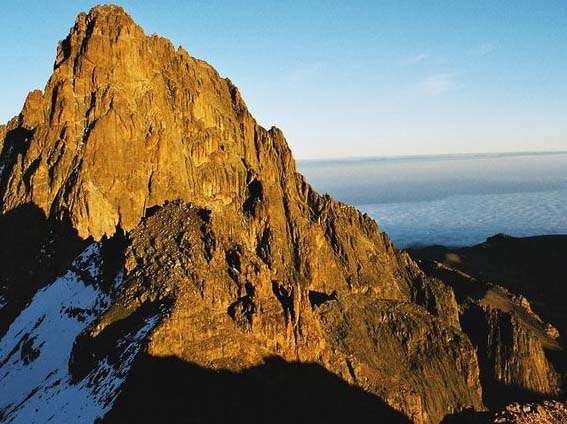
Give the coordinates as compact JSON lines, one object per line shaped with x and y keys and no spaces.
{"x":248,"y":261}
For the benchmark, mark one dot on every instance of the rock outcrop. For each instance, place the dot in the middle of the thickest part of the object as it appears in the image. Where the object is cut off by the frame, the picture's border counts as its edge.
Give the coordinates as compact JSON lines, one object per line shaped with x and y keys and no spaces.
{"x":230,"y":311}
{"x":243,"y":271}
{"x":544,"y":412}
{"x":532,"y":413}
{"x":530,"y":266}
{"x":2,"y":135}
{"x":520,"y":355}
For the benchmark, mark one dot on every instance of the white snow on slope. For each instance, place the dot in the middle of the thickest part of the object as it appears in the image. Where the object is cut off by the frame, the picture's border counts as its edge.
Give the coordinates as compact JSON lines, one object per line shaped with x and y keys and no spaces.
{"x":35,"y":383}
{"x":3,"y":162}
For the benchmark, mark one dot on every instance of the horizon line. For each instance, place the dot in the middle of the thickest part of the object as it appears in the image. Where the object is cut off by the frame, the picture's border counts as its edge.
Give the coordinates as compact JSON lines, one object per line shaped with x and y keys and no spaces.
{"x":433,"y":155}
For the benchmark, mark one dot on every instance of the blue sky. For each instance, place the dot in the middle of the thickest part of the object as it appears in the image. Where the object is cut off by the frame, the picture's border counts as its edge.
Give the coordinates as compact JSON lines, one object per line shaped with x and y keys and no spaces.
{"x":356,"y":78}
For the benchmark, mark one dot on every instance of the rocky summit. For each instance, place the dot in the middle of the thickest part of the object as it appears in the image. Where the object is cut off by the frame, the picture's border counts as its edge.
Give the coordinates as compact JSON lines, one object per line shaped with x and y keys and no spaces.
{"x":164,"y":261}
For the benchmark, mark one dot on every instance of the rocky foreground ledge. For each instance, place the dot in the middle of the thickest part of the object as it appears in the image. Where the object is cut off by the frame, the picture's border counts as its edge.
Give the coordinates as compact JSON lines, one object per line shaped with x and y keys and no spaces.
{"x":532,"y":413}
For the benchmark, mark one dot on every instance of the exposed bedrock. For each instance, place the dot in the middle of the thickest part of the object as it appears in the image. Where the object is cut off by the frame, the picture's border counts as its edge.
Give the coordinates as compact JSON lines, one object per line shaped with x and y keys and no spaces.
{"x":227,"y":249}
{"x":520,"y":356}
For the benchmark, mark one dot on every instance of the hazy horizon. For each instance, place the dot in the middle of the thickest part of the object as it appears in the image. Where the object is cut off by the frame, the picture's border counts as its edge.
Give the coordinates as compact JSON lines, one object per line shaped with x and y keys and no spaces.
{"x":455,"y":155}
{"x":358,"y":79}
{"x":452,"y":200}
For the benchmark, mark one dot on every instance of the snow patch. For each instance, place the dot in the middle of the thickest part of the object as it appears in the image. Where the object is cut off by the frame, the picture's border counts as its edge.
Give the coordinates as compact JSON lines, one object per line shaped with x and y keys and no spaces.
{"x":3,"y":162}
{"x":34,"y":353}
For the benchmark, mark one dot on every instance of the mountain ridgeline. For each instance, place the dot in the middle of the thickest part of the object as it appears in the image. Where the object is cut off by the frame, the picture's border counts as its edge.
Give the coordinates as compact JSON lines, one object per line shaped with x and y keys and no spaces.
{"x":164,"y":261}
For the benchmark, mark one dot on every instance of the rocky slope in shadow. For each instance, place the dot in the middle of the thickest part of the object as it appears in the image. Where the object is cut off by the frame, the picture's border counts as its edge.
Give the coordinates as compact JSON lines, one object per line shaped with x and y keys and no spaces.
{"x":275,"y":391}
{"x":227,"y":256}
{"x":531,"y":266}
{"x":521,"y":356}
{"x":229,"y":311}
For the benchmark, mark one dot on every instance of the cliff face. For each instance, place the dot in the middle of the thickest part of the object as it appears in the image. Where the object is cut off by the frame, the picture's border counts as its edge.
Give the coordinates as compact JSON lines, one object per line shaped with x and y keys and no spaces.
{"x":530,"y":266}
{"x":229,"y":311}
{"x":2,"y":135}
{"x":224,"y":256}
{"x":520,"y":355}
{"x":127,"y":122}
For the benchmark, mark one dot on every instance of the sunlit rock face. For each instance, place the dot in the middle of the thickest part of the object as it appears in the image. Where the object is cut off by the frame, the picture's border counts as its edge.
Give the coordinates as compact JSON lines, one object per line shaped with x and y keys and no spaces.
{"x":230,"y":310}
{"x":229,"y":258}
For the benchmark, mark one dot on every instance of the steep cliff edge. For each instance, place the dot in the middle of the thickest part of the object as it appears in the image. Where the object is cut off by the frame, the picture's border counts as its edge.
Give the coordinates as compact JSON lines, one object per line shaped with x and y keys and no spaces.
{"x":228,"y":258}
{"x":531,"y":266}
{"x":2,"y":135}
{"x":521,"y":357}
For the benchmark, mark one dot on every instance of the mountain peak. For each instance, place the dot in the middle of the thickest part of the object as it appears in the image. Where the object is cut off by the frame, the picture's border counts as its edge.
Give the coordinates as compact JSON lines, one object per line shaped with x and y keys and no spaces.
{"x":124,"y":123}
{"x":108,"y":10}
{"x":107,"y":22}
{"x":202,"y":246}
{"x":106,"y":15}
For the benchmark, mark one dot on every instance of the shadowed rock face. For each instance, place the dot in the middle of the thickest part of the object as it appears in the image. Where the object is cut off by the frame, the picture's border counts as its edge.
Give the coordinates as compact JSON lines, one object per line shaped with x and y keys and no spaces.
{"x":531,"y":266}
{"x":223,"y":240}
{"x":33,"y":251}
{"x":521,"y":356}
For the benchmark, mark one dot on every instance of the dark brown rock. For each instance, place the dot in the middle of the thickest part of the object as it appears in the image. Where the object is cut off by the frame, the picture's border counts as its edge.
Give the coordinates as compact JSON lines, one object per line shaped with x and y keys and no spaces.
{"x":518,"y":353}
{"x":531,"y":266}
{"x":534,"y":413}
{"x":2,"y":135}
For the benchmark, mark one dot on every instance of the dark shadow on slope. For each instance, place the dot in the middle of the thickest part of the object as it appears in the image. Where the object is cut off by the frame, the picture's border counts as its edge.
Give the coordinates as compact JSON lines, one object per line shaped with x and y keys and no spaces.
{"x":113,"y":252}
{"x":33,"y":252}
{"x":467,"y":417}
{"x":89,"y":350}
{"x":169,"y":390}
{"x":319,"y":298}
{"x":495,"y":394}
{"x":16,"y":142}
{"x":531,"y":266}
{"x":499,"y":395}
{"x":462,"y":285}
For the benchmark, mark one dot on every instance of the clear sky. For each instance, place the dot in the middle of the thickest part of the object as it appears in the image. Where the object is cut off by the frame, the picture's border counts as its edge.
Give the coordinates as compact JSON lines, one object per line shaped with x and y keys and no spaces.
{"x":349,"y":78}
